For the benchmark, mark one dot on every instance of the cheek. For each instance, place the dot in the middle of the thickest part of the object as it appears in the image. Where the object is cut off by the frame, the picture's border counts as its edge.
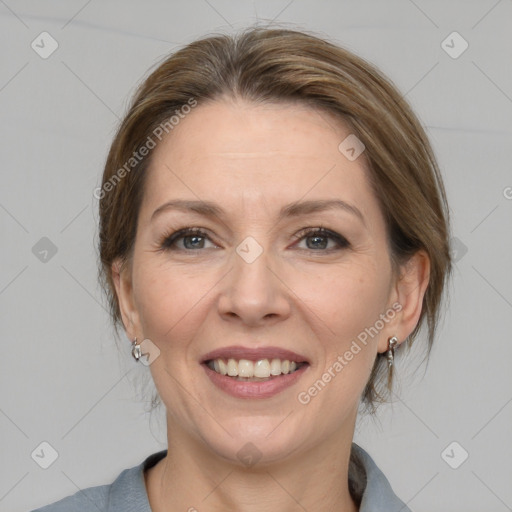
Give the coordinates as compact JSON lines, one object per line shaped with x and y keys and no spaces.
{"x":345,"y":298}
{"x":343,"y":303}
{"x":166,"y":297}
{"x":177,"y":307}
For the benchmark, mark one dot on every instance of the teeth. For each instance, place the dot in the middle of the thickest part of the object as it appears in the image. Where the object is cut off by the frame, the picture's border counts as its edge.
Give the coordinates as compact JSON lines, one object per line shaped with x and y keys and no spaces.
{"x":244,"y":368}
{"x":222,"y":366}
{"x":262,"y":368}
{"x":232,"y":368}
{"x":275,"y":367}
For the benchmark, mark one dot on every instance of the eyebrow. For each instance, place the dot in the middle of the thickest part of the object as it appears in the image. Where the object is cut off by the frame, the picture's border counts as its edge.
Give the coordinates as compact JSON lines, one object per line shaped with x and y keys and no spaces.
{"x":295,"y":209}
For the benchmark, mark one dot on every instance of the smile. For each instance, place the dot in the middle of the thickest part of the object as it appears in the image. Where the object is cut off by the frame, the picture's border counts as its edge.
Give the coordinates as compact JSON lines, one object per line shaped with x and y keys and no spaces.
{"x":247,"y":370}
{"x":253,"y":372}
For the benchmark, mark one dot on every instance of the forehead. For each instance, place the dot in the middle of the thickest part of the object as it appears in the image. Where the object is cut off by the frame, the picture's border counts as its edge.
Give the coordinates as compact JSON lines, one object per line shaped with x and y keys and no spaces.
{"x":238,"y":152}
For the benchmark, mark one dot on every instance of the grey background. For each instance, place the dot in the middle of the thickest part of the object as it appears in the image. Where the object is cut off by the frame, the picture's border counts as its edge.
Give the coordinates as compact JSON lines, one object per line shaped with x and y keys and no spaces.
{"x":62,"y":377}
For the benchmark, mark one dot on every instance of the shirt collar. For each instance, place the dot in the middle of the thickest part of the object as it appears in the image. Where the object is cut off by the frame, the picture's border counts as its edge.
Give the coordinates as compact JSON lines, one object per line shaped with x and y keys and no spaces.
{"x":368,"y":485}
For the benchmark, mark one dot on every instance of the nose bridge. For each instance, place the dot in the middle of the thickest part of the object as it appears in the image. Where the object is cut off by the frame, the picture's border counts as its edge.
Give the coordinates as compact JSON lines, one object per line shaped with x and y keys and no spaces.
{"x":252,"y":267}
{"x":252,"y":291}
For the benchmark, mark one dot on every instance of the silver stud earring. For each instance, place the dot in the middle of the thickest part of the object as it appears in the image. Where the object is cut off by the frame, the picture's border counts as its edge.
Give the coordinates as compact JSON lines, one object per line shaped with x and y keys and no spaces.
{"x":392,"y":343}
{"x":136,"y":350}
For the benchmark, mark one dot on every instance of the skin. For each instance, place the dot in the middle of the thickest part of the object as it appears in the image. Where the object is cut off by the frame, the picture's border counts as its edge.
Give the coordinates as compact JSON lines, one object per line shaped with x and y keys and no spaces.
{"x":252,"y":160}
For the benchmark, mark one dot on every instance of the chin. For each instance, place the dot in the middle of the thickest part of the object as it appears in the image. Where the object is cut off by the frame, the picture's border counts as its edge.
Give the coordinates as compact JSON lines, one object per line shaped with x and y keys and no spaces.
{"x":255,"y":441}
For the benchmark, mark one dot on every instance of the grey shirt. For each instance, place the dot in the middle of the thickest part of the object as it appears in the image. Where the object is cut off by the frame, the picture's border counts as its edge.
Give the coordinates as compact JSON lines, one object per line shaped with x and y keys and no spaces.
{"x":128,"y":493}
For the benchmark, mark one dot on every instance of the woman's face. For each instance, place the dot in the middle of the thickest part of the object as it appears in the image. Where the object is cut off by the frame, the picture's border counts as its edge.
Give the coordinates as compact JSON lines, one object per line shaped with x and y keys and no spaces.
{"x":270,"y":270}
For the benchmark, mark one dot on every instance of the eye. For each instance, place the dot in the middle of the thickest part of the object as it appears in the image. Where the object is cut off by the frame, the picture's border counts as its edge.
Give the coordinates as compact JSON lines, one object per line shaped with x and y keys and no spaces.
{"x":193,"y":239}
{"x":185,"y":240}
{"x":321,"y":239}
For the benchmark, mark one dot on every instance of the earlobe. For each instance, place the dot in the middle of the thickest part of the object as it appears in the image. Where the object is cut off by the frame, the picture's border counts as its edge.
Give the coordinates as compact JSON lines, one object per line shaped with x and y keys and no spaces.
{"x":121,"y":276}
{"x":410,"y":289}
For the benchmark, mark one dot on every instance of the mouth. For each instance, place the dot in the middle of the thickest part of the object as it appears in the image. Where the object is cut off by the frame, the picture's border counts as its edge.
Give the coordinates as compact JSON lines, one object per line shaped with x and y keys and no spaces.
{"x":253,"y":373}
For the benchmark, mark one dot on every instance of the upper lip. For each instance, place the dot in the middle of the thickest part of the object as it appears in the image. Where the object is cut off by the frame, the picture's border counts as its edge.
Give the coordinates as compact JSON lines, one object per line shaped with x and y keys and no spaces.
{"x":254,"y":354}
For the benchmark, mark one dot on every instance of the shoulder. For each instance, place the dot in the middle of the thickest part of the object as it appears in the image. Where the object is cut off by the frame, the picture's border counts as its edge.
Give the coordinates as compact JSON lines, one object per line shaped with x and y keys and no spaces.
{"x":126,"y":494}
{"x":373,"y":488}
{"x":93,"y":498}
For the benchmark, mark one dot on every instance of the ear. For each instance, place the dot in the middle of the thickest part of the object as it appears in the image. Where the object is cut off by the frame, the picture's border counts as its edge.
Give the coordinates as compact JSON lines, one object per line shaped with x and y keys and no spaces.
{"x":408,"y":293}
{"x":122,"y":278}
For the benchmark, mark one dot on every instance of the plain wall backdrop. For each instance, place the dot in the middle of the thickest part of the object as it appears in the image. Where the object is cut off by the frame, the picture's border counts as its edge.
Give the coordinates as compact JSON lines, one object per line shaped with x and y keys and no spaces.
{"x":63,"y":380}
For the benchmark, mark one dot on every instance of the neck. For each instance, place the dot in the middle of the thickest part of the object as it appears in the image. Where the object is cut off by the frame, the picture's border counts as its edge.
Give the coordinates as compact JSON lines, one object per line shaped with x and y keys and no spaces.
{"x":196,"y":480}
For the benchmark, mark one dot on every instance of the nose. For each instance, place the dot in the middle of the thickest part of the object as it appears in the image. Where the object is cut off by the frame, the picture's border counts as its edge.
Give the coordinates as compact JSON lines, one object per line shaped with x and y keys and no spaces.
{"x":253,"y":293}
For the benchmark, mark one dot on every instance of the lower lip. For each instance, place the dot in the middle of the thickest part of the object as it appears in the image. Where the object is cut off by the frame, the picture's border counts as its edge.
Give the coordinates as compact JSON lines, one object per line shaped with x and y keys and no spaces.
{"x":254,"y":389}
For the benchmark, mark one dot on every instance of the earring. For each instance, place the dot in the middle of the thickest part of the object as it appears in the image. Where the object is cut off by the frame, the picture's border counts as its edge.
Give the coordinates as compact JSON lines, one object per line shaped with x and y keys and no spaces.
{"x":136,"y":350}
{"x":392,"y":343}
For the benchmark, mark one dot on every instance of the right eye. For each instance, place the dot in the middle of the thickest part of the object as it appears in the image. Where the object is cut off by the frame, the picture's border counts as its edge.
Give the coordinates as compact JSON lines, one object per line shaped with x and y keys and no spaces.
{"x":187,"y":239}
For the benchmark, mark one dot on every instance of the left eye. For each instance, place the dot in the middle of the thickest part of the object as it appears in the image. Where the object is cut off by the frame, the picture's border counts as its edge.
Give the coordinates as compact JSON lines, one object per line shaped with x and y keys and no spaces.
{"x":322,"y":239}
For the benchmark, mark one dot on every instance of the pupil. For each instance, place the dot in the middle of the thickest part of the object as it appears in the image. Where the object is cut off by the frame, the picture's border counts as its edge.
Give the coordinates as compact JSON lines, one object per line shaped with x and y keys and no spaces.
{"x":318,"y":242}
{"x":193,"y":239}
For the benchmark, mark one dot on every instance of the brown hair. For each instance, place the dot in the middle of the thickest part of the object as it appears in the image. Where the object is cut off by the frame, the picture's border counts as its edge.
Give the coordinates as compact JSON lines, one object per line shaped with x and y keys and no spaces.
{"x":286,"y":65}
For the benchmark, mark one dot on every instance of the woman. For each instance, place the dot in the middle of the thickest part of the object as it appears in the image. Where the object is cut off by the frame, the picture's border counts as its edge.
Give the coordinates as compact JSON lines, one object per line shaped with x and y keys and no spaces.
{"x":273,"y":226}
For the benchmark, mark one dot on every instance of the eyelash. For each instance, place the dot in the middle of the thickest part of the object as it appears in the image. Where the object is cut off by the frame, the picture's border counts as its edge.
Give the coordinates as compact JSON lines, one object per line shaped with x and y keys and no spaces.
{"x":168,"y":241}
